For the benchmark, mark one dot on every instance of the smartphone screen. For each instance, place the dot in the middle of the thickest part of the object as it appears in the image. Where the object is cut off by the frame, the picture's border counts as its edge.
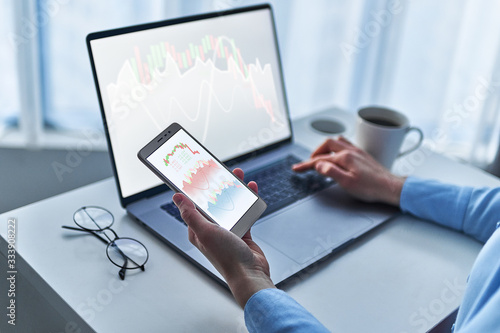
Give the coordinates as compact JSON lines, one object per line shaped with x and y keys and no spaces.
{"x":196,"y":173}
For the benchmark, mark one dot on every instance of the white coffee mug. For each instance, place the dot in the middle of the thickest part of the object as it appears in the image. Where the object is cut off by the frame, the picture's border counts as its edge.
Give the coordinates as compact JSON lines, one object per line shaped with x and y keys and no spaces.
{"x":381,"y":132}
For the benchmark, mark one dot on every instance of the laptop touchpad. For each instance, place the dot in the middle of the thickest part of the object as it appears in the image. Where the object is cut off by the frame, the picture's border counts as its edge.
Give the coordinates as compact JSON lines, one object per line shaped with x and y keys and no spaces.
{"x":310,"y":229}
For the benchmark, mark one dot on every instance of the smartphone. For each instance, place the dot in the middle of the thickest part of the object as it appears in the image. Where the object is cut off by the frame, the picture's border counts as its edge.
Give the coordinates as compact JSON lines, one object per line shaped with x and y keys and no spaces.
{"x":180,"y":161}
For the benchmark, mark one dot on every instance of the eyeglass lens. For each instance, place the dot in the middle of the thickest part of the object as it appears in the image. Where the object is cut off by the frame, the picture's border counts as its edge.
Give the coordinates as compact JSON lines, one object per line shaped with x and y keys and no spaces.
{"x":93,"y":218}
{"x":127,"y":252}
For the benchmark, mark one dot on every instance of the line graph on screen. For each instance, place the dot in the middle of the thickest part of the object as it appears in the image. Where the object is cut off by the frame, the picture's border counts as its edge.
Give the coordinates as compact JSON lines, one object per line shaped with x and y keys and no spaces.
{"x":199,"y":177}
{"x":210,"y":47}
{"x":210,"y":186}
{"x":202,"y":84}
{"x":222,"y":199}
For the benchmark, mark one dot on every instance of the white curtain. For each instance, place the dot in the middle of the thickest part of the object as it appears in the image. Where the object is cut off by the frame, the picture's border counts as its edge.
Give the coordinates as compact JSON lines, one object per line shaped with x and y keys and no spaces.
{"x":436,"y":61}
{"x":447,"y":75}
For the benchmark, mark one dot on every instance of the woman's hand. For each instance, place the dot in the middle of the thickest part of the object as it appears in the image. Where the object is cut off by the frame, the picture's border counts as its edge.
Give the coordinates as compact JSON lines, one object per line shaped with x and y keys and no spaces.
{"x":239,"y":260}
{"x":354,"y":170}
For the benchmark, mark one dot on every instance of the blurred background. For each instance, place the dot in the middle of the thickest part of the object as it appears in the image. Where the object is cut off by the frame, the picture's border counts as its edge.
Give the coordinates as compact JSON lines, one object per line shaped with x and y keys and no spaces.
{"x":436,"y":61}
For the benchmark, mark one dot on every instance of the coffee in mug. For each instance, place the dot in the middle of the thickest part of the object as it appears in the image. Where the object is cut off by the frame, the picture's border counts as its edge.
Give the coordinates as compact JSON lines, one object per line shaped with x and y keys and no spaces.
{"x":381,"y":132}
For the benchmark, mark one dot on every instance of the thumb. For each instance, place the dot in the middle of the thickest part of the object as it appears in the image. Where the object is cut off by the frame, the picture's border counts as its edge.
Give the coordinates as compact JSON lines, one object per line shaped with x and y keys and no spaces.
{"x":189,"y":213}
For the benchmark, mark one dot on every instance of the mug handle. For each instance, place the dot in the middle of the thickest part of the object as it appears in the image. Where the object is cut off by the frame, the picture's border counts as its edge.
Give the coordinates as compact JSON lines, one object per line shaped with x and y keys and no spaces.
{"x":415,"y":147}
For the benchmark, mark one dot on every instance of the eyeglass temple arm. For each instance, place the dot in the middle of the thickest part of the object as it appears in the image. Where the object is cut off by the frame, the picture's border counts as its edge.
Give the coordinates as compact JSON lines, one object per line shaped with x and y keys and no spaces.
{"x":124,"y":256}
{"x":122,"y":271}
{"x":89,"y":231}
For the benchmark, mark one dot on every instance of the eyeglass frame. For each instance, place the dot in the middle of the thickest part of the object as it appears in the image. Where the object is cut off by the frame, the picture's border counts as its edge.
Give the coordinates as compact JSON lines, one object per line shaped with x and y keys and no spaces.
{"x":109,"y":242}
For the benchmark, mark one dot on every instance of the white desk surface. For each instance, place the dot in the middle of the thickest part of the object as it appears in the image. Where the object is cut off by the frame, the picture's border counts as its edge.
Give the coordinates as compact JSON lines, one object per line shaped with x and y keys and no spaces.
{"x":403,"y":277}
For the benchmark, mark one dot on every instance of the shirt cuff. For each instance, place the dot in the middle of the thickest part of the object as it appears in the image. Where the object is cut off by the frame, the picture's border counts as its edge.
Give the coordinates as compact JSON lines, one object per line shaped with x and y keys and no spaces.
{"x":273,"y":310}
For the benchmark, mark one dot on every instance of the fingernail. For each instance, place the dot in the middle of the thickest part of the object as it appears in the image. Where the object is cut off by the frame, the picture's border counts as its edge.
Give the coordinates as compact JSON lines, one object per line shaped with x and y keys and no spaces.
{"x":177,"y":199}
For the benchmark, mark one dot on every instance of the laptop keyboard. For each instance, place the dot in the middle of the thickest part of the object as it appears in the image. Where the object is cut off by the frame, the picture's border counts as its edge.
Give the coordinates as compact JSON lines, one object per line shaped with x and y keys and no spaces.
{"x":172,"y":209}
{"x":279,"y":186}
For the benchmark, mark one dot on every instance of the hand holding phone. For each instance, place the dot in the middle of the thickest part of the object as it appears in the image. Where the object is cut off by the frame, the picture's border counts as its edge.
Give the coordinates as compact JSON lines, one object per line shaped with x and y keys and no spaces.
{"x":241,"y":262}
{"x":179,"y":160}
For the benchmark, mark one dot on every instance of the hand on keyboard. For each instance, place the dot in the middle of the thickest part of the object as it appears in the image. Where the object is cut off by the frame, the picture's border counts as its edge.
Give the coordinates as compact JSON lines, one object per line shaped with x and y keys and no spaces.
{"x":355,"y":170}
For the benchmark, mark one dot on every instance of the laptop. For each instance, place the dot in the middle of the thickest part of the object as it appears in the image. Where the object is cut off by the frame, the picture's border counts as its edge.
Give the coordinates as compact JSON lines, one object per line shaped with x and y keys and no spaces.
{"x":219,"y":75}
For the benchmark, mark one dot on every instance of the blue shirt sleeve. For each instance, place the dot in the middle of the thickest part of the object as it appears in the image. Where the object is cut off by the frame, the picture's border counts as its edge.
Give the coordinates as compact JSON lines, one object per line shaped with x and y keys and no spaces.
{"x":481,"y":302}
{"x":273,"y":310}
{"x":473,"y":211}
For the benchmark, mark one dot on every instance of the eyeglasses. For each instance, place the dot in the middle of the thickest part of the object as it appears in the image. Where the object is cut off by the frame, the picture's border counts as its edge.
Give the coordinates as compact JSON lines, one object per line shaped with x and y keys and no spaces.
{"x":124,"y":252}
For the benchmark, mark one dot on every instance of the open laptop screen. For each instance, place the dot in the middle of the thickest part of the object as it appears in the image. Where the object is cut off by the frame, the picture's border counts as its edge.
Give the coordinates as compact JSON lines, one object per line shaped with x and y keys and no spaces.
{"x":218,"y":75}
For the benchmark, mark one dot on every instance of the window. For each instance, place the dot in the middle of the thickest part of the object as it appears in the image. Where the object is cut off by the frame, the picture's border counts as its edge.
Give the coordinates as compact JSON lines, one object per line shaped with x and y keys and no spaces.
{"x":9,"y":87}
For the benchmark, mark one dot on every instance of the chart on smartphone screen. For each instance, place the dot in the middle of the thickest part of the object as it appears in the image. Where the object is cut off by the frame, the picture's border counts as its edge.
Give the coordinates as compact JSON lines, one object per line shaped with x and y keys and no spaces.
{"x":206,"y":182}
